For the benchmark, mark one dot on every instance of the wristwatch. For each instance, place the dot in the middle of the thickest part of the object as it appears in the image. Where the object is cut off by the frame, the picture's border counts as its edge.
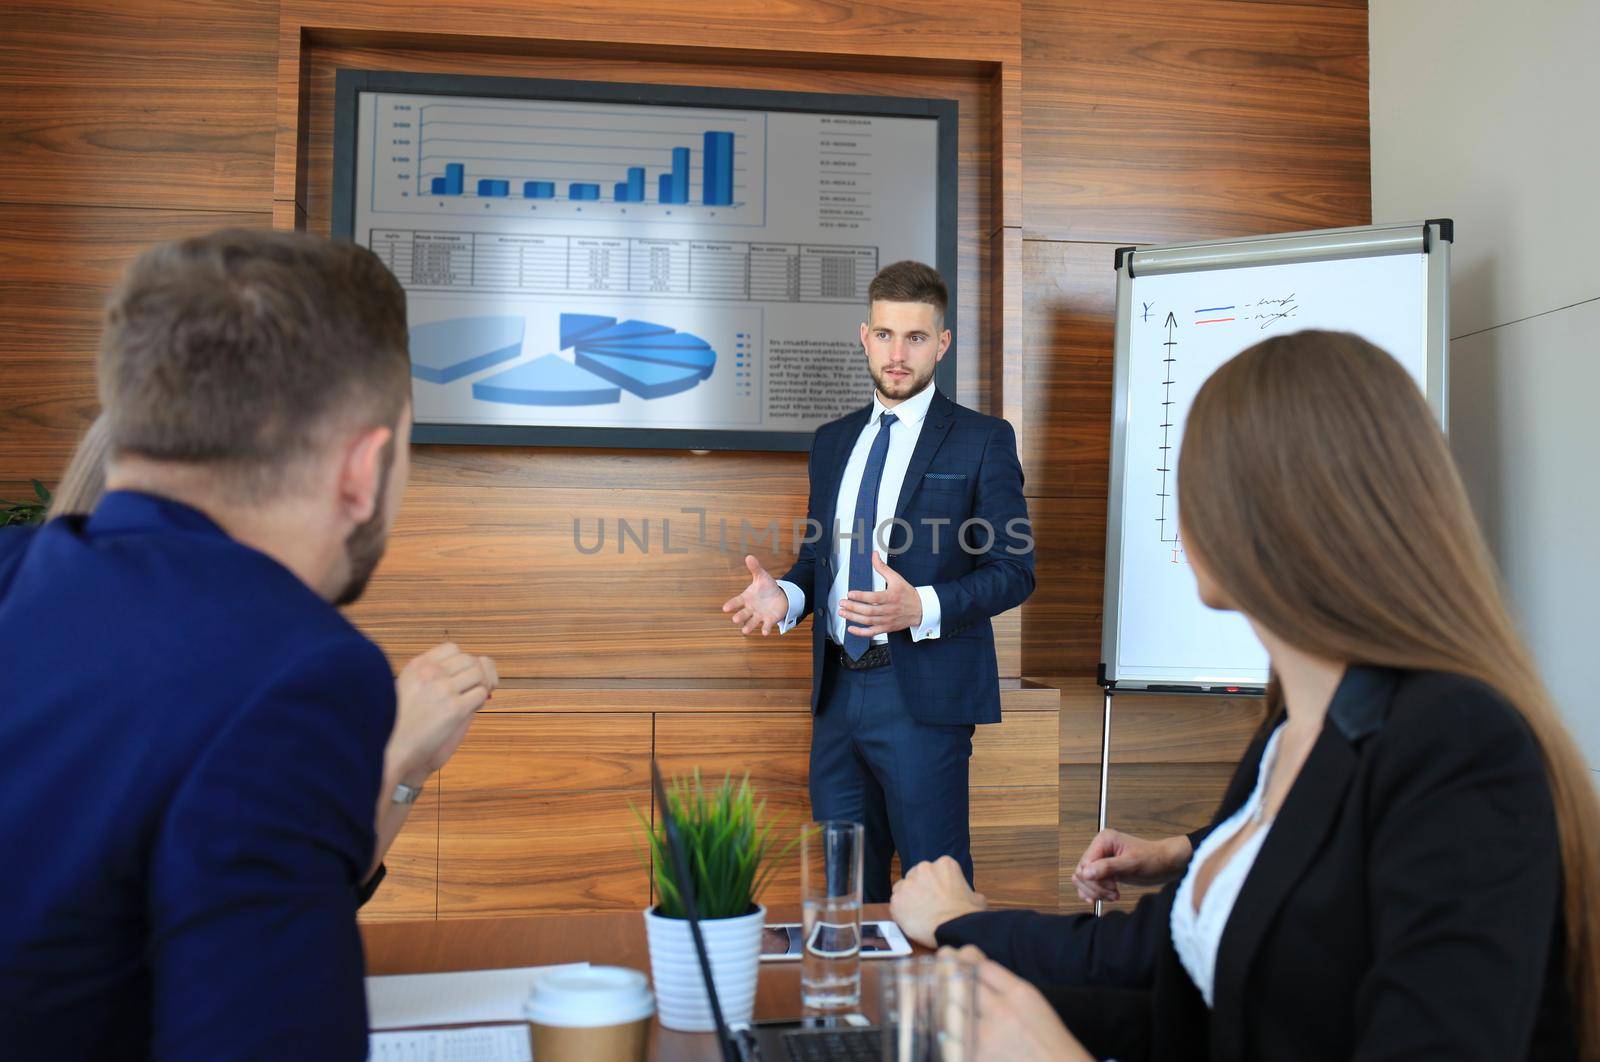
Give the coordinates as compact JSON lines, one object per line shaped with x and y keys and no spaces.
{"x":405,"y":794}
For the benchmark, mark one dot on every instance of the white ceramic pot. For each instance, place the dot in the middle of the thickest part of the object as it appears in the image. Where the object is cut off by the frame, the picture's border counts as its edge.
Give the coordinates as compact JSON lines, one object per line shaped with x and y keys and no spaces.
{"x":734,"y":947}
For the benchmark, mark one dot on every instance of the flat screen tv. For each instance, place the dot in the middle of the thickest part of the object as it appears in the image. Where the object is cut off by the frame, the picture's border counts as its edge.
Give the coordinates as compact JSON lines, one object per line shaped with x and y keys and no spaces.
{"x":631,"y":265}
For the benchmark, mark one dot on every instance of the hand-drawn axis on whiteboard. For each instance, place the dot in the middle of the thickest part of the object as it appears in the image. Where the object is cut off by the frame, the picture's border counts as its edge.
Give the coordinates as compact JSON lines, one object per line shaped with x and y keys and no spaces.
{"x":1168,"y":360}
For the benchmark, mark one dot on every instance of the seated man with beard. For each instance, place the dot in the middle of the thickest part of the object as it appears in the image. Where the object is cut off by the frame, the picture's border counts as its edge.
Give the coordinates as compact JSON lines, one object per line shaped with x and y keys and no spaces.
{"x":194,"y":736}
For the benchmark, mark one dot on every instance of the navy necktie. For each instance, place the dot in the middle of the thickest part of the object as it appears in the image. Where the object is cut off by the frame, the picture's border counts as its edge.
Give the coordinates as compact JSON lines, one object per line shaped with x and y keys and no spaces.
{"x":861,"y":545}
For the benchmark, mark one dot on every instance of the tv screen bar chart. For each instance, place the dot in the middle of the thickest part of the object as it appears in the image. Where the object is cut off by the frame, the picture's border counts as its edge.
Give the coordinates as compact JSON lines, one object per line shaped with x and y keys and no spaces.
{"x":571,"y":159}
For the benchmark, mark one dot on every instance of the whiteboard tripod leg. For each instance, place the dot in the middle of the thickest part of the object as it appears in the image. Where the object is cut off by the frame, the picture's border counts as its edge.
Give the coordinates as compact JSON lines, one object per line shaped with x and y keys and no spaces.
{"x":1105,"y":770}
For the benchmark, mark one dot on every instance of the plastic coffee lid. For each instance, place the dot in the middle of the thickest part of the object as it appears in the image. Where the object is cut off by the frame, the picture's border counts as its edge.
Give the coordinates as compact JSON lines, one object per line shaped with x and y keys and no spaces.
{"x":589,"y":997}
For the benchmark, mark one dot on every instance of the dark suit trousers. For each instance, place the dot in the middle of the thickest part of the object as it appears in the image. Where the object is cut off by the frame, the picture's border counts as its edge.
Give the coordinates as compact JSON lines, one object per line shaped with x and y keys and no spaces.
{"x":905,"y":781}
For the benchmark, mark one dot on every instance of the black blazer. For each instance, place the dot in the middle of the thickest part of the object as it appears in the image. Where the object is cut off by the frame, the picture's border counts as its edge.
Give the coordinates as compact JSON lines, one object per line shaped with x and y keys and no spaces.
{"x":964,"y":467}
{"x":1406,"y":903}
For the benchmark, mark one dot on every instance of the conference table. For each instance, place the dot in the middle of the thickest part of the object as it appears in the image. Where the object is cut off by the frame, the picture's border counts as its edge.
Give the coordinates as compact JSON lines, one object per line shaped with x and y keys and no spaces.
{"x":608,"y":939}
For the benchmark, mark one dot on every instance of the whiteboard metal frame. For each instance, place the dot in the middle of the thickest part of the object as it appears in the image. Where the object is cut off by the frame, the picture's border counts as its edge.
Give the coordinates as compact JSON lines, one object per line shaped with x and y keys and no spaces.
{"x":1431,"y":238}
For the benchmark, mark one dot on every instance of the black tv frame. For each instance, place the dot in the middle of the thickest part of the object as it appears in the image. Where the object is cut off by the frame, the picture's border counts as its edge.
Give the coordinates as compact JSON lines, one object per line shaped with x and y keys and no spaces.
{"x":349,"y":84}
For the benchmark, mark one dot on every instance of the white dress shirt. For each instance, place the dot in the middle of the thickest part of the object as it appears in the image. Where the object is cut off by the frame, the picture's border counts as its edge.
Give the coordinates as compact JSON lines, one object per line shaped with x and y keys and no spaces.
{"x":1196,"y":935}
{"x":903,"y":434}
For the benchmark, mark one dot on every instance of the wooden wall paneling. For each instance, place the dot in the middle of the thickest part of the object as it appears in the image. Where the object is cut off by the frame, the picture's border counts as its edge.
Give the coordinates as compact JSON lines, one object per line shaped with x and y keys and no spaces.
{"x":497,"y":570}
{"x":1018,"y":752}
{"x":537,"y":816}
{"x":1061,"y":621}
{"x":984,"y":30}
{"x":157,"y":104}
{"x":1168,"y":120}
{"x":58,"y":265}
{"x":659,"y":695}
{"x":410,"y":888}
{"x":1070,"y":294}
{"x":552,"y":468}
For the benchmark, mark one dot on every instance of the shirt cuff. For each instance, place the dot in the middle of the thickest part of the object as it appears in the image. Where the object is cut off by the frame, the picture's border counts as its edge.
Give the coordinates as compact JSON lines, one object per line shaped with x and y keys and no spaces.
{"x":931,"y":615}
{"x":797,"y":604}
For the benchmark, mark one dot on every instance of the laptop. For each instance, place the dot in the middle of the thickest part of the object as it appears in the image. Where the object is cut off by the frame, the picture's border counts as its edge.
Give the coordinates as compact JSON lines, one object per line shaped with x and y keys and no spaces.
{"x":792,"y":1041}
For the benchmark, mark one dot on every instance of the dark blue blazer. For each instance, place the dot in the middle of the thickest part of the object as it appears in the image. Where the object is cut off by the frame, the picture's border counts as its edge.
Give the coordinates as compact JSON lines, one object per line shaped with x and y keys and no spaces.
{"x":964,"y":467}
{"x":193,"y":746}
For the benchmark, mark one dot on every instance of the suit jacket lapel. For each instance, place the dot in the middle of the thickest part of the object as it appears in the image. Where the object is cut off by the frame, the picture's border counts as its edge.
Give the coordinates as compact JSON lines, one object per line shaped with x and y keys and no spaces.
{"x":1359,"y":707}
{"x":935,"y":426}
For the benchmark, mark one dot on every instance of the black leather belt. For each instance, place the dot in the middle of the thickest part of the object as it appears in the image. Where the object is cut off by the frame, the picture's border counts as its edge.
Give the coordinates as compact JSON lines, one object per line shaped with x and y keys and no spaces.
{"x":875,"y":656}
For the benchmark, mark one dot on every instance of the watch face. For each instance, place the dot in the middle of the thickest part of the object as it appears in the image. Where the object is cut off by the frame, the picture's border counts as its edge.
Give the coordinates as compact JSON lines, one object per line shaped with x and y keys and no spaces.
{"x":406,"y":794}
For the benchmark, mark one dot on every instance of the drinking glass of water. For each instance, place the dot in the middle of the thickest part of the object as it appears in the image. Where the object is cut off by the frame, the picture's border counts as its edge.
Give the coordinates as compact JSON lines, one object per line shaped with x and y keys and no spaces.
{"x":929,"y":1010}
{"x":830,"y":898}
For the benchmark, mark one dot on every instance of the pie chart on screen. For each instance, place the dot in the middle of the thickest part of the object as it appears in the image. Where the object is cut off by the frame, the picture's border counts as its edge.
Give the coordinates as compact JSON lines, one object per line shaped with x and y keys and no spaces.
{"x":608,"y":357}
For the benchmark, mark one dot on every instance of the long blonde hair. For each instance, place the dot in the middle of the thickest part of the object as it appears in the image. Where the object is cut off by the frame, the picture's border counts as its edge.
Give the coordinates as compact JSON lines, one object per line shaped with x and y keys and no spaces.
{"x":1318,"y":488}
{"x":85,"y":478}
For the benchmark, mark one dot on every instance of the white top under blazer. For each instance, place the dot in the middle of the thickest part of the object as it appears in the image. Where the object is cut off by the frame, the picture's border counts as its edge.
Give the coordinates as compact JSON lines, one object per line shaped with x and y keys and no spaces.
{"x":1197,"y":935}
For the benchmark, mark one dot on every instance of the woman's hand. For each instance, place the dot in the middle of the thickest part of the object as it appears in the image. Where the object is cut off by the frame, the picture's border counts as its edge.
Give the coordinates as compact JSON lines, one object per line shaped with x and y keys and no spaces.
{"x":931,"y":894}
{"x":1114,"y":859}
{"x":1015,"y":1022}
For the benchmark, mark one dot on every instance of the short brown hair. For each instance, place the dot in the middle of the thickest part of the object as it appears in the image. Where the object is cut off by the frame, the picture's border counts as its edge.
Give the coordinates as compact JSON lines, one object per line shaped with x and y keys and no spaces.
{"x":910,"y":281}
{"x":241,"y":349}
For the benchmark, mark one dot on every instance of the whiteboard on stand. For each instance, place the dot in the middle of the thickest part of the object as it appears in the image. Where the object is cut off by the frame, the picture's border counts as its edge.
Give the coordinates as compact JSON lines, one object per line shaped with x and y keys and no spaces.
{"x":1181,"y":312}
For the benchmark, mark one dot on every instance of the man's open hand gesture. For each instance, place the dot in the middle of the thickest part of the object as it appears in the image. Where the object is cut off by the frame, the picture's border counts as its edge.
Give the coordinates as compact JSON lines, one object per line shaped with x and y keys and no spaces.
{"x":763,"y":603}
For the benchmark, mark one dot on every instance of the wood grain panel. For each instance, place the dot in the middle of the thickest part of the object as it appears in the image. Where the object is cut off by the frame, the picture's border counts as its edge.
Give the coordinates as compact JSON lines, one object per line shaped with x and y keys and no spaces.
{"x":1016,"y":867}
{"x":1080,"y":821}
{"x":667,"y":696}
{"x":159,"y":103}
{"x":1020,"y":750}
{"x":410,"y":888}
{"x":554,"y":752}
{"x":551,"y":468}
{"x":504,"y":852}
{"x":1163,"y":120}
{"x":1156,"y":727}
{"x":1061,"y":621}
{"x":497,"y":569}
{"x":58,"y":265}
{"x":981,"y":30}
{"x":1070,"y":298}
{"x":774,"y":749}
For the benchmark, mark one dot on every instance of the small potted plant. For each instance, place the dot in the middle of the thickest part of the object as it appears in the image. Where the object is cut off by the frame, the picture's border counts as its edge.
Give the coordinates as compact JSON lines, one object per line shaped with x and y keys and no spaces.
{"x":732,"y":857}
{"x":24,"y":513}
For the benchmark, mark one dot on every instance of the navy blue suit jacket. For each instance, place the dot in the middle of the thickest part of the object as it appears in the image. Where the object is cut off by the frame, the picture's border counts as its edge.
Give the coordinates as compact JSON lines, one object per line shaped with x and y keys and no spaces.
{"x":964,"y":467}
{"x":193,"y":746}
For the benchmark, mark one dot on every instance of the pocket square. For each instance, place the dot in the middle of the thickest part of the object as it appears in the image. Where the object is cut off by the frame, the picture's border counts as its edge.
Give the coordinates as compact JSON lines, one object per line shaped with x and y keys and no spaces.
{"x":944,"y":475}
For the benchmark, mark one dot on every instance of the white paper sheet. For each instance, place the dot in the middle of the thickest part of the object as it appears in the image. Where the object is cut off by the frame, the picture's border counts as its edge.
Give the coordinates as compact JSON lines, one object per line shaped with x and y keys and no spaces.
{"x":492,"y":1043}
{"x":400,"y":1000}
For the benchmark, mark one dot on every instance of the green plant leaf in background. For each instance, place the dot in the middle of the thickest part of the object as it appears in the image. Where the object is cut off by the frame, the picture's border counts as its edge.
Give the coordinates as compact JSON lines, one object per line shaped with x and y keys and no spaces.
{"x":20,"y":514}
{"x":730,"y":848}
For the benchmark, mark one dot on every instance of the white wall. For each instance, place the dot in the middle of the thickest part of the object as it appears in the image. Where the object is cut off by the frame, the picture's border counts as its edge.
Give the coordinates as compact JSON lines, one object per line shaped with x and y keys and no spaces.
{"x":1486,"y":112}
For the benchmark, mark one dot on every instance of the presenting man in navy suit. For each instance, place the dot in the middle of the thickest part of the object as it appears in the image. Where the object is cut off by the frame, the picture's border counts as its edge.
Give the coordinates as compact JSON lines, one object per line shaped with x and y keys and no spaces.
{"x":194,"y":737}
{"x":921,"y":537}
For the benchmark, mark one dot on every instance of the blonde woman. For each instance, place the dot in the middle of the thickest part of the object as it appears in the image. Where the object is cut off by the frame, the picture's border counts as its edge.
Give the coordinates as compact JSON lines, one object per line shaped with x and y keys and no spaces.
{"x":1407,"y":862}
